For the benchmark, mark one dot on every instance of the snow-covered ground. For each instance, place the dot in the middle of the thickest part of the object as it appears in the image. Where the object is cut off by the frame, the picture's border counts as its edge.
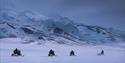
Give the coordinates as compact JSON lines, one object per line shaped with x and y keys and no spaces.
{"x":38,"y":53}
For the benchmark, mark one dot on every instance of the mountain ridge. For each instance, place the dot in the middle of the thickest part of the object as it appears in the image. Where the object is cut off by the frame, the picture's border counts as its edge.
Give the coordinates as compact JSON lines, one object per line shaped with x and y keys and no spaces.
{"x":32,"y":25}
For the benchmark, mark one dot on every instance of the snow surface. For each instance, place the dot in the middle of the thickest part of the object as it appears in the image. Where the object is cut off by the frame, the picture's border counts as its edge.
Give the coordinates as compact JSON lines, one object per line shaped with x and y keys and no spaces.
{"x":34,"y":53}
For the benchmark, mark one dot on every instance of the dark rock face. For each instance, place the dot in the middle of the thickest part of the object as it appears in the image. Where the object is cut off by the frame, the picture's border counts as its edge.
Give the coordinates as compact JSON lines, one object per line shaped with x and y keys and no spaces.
{"x":58,"y":30}
{"x":26,"y":30}
{"x":11,"y":26}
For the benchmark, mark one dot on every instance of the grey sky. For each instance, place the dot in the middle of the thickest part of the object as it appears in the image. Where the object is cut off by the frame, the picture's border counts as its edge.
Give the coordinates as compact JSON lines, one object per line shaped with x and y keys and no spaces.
{"x":106,"y":13}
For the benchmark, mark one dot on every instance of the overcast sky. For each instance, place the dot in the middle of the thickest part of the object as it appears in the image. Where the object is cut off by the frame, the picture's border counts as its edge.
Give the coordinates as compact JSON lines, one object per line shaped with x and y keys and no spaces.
{"x":106,"y":13}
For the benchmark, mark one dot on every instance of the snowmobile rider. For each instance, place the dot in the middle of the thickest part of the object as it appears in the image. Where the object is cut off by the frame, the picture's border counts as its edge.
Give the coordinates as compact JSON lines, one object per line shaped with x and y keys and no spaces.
{"x":51,"y":53}
{"x":72,"y":53}
{"x":16,"y":52}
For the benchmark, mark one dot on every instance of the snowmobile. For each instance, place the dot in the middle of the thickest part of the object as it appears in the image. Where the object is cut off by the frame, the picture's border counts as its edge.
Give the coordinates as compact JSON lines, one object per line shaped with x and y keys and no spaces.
{"x":101,"y":53}
{"x":16,"y":52}
{"x":72,"y":53}
{"x":51,"y":53}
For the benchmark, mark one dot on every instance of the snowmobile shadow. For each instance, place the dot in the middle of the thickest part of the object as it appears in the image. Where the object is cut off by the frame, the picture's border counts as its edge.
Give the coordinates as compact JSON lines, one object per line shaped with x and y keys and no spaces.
{"x":15,"y":55}
{"x":73,"y":56}
{"x":49,"y":56}
{"x":99,"y":54}
{"x":59,"y":56}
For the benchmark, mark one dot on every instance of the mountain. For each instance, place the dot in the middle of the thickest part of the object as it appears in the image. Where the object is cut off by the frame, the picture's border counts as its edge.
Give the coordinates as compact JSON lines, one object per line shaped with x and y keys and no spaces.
{"x":33,"y":26}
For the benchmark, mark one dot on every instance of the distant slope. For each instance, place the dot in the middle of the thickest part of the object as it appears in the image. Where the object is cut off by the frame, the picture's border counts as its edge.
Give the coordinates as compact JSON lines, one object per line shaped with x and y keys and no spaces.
{"x":32,"y":26}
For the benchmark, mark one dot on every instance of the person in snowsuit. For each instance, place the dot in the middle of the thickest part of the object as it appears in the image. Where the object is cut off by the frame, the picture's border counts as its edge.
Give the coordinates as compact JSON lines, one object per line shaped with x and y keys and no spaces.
{"x":16,"y":52}
{"x":101,"y":53}
{"x":72,"y":53}
{"x":51,"y":53}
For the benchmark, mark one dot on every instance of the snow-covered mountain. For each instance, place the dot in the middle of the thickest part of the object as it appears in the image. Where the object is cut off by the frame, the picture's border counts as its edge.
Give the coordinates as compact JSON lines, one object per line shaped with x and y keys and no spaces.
{"x":32,"y":26}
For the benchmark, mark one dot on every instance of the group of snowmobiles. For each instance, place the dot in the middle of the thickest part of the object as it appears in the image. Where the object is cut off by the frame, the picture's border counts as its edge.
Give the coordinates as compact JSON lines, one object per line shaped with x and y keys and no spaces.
{"x":17,"y":52}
